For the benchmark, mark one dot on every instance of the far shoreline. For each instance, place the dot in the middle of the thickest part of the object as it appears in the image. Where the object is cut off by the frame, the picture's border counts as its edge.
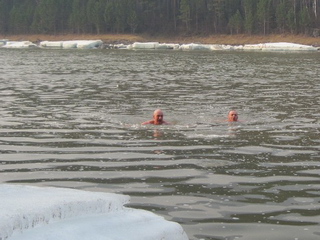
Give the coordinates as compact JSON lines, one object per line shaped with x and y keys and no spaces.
{"x":239,"y":39}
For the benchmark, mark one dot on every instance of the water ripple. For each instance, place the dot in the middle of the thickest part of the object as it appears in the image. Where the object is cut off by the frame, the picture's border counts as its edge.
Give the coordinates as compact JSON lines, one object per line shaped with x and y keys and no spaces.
{"x":72,"y":119}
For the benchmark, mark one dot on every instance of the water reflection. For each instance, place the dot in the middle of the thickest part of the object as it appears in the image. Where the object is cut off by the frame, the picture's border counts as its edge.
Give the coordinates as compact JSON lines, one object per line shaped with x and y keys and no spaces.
{"x":158,"y":133}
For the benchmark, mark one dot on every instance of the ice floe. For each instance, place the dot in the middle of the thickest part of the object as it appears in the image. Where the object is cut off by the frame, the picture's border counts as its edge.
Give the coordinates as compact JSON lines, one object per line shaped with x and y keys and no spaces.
{"x":51,"y":44}
{"x":34,"y":213}
{"x":94,"y":44}
{"x":145,"y":45}
{"x":3,"y":42}
{"x":194,"y":46}
{"x":280,"y":46}
{"x":83,"y":44}
{"x":17,"y":44}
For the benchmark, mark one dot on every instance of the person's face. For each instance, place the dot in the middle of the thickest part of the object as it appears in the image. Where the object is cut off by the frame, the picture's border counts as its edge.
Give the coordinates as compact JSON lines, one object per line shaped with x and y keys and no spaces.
{"x":233,"y":116}
{"x":158,"y":117}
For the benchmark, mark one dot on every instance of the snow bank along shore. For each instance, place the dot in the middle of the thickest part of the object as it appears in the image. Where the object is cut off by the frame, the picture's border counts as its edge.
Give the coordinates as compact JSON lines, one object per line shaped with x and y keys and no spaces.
{"x":37,"y":213}
{"x":94,"y":44}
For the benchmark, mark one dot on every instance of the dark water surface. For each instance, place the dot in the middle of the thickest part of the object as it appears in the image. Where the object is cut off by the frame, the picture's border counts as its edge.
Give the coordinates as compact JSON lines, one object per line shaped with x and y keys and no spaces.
{"x":71,"y":118}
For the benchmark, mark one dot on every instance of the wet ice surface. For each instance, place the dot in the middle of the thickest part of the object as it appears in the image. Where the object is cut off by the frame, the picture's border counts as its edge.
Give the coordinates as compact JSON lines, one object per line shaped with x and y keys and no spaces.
{"x":32,"y":213}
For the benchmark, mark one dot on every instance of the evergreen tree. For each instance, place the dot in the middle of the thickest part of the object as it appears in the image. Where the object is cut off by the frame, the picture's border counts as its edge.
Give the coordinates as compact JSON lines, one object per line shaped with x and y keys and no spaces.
{"x":185,"y":14}
{"x":132,"y":19}
{"x":120,"y":9}
{"x":236,"y":23}
{"x":197,"y":13}
{"x":161,"y":16}
{"x":281,"y":14}
{"x":78,"y":18}
{"x":263,"y":14}
{"x":305,"y":21}
{"x":5,"y":8}
{"x":63,"y":14}
{"x":45,"y":17}
{"x":14,"y":20}
{"x":95,"y":9}
{"x":109,"y":15}
{"x":249,"y":20}
{"x":291,"y":21}
{"x":220,"y":17}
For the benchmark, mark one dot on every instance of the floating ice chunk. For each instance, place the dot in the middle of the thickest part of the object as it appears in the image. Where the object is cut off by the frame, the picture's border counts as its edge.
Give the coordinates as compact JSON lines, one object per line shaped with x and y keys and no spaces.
{"x":216,"y":47}
{"x":51,"y":44}
{"x":32,"y":213}
{"x":3,"y":42}
{"x":284,"y":46}
{"x":122,"y":46}
{"x":194,"y":46}
{"x":19,"y":44}
{"x":252,"y":47}
{"x":228,"y":47}
{"x":89,"y":44}
{"x":238,"y":47}
{"x":280,"y":46}
{"x":129,"y":47}
{"x":168,"y":46}
{"x":145,"y":45}
{"x":185,"y":47}
{"x":175,"y":46}
{"x":69,"y":44}
{"x":220,"y":47}
{"x":84,"y":44}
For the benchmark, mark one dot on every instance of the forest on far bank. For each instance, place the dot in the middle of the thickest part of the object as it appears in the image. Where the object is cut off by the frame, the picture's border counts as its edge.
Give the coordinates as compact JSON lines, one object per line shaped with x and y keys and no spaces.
{"x":189,"y":17}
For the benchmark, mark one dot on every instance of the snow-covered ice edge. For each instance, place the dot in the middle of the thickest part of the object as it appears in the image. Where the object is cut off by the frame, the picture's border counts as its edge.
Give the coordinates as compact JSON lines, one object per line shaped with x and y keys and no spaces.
{"x":32,"y":213}
{"x":98,"y":44}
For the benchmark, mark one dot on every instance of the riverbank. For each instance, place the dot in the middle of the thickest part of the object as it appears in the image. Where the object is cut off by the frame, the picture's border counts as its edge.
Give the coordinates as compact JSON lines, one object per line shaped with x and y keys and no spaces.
{"x":213,"y":39}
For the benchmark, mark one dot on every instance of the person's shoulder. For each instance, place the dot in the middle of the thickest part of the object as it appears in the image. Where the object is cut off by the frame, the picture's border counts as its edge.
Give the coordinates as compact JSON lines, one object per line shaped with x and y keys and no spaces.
{"x":148,"y":122}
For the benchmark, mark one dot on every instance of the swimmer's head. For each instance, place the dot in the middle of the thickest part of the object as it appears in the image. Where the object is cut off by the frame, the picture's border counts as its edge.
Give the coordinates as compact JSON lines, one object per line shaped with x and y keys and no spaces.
{"x":233,"y":116}
{"x":158,"y":117}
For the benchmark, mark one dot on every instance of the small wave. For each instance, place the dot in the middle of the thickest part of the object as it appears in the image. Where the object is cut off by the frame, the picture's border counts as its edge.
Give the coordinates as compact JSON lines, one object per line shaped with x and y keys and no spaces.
{"x":208,"y":136}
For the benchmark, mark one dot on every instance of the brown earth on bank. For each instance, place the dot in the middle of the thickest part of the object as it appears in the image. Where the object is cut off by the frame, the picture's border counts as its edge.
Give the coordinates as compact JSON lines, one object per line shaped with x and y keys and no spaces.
{"x":130,"y":38}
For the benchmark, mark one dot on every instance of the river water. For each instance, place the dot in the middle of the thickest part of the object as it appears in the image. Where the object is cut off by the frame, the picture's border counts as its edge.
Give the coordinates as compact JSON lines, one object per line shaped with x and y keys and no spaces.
{"x":71,"y":118}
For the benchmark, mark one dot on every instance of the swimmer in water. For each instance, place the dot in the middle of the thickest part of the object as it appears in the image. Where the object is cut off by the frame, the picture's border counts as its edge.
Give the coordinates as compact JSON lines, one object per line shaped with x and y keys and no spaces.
{"x":233,"y":116}
{"x":157,"y":118}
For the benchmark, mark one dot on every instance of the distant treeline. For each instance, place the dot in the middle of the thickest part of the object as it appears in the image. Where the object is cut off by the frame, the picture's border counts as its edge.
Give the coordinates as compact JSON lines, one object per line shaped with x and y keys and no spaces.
{"x":160,"y":16}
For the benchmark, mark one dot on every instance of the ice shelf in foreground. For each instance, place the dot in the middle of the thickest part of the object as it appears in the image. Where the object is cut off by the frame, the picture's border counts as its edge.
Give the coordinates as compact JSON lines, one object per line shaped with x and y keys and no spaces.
{"x":36,"y":213}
